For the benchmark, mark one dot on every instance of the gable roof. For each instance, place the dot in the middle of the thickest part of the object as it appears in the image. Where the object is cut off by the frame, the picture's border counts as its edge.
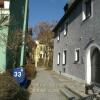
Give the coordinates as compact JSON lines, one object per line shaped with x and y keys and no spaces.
{"x":70,"y":9}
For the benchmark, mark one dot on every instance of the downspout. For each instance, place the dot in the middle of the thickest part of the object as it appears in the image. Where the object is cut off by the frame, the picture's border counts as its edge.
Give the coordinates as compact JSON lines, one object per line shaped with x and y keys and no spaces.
{"x":23,"y":35}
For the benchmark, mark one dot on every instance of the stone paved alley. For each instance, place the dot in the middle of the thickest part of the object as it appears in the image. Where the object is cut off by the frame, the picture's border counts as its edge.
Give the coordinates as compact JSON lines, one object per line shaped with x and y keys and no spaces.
{"x":46,"y":86}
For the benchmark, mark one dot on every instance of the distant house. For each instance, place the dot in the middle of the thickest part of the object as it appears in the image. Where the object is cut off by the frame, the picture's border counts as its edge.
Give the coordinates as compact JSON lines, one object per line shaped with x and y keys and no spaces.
{"x":4,"y":26}
{"x":39,"y":54}
{"x":77,"y":41}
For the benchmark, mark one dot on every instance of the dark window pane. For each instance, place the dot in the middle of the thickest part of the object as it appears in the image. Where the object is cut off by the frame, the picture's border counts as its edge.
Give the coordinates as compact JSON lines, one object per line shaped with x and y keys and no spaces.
{"x":66,"y":26}
{"x":88,"y":8}
{"x":77,"y":55}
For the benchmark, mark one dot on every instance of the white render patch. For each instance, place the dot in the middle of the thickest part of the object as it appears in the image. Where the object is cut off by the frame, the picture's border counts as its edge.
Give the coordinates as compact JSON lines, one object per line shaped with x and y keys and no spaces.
{"x":6,"y":4}
{"x":88,"y":71}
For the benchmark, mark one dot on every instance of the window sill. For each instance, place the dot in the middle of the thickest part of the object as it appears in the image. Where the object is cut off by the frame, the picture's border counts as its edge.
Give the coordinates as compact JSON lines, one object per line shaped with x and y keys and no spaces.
{"x":65,"y":35}
{"x":76,"y":62}
{"x":63,"y":64}
{"x":86,"y":19}
{"x":58,"y":40}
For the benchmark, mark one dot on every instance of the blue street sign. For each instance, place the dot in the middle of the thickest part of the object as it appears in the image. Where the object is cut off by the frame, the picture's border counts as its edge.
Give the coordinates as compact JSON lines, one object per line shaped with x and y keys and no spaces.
{"x":19,"y":74}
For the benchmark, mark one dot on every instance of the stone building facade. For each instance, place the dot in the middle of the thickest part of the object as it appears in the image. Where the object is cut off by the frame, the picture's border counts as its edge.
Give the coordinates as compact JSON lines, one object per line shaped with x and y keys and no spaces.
{"x":77,"y":41}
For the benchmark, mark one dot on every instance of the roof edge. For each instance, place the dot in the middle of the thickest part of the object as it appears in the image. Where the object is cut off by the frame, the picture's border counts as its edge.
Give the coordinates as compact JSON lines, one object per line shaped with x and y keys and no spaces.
{"x":66,"y":14}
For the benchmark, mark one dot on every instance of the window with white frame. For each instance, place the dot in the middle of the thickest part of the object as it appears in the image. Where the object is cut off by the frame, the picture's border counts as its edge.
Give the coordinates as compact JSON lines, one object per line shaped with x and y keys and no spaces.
{"x":65,"y":28}
{"x":58,"y":34}
{"x":58,"y":59}
{"x":65,"y":32}
{"x":58,"y":37}
{"x":77,"y":55}
{"x":64,"y":57}
{"x":86,"y":9}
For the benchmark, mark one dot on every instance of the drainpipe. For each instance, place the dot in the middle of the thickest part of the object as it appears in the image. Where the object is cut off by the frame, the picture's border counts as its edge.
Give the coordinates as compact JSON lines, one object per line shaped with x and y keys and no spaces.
{"x":23,"y":35}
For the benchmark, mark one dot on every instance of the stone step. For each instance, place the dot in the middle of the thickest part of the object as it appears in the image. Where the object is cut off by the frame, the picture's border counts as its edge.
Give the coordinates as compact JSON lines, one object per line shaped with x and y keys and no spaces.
{"x":69,"y":95}
{"x":74,"y":92}
{"x":72,"y":95}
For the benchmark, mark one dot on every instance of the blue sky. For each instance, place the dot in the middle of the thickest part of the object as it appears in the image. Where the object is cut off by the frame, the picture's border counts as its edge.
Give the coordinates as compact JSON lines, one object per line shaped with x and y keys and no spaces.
{"x":45,"y":10}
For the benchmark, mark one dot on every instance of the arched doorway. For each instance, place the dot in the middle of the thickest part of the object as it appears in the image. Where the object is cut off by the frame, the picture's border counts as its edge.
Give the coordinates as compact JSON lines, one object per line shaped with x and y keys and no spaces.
{"x":93,"y":64}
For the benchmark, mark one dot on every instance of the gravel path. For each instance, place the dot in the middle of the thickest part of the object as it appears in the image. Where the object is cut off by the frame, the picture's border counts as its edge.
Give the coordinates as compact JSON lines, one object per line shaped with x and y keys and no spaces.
{"x":45,"y":87}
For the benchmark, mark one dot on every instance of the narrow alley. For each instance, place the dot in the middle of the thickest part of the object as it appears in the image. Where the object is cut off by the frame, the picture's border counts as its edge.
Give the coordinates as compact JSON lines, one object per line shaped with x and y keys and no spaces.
{"x":46,"y":86}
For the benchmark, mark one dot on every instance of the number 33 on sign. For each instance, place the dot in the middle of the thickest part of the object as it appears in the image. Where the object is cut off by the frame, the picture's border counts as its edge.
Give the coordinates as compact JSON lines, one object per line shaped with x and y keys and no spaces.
{"x":17,"y":74}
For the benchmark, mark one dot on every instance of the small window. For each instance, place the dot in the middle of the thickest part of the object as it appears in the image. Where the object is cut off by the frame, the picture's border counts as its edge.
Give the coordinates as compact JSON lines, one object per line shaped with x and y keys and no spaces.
{"x":65,"y":28}
{"x":58,"y":37}
{"x":58,"y":59}
{"x":87,"y":9}
{"x":64,"y":57}
{"x":65,"y":32}
{"x":77,"y":55}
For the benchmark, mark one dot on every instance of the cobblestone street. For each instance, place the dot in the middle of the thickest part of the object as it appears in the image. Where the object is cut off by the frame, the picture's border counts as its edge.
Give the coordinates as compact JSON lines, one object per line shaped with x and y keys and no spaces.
{"x":45,"y":86}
